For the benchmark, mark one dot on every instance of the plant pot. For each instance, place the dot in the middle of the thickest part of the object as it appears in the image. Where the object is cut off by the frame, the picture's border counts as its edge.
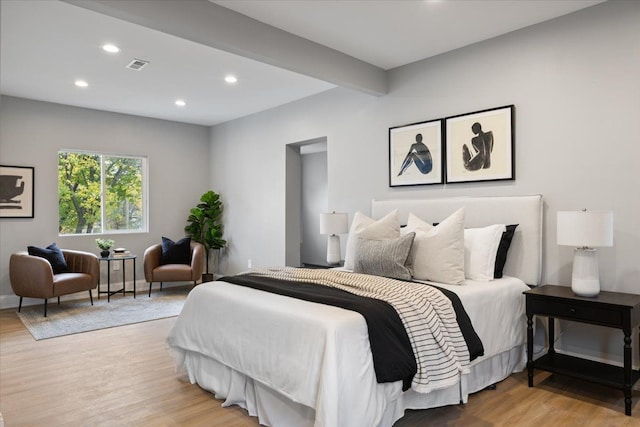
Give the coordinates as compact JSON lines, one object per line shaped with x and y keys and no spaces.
{"x":207,"y":277}
{"x":214,"y":260}
{"x":104,"y":254}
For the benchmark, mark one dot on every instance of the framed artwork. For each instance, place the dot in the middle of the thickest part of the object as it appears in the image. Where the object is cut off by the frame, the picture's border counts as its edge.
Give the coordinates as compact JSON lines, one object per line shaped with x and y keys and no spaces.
{"x":480,"y":146}
{"x":415,"y":154}
{"x":16,"y":192}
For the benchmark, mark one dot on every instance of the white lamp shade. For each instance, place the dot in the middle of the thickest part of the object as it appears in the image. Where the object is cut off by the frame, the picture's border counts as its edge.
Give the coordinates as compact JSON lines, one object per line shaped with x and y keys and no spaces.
{"x":333,"y":223}
{"x":583,"y":229}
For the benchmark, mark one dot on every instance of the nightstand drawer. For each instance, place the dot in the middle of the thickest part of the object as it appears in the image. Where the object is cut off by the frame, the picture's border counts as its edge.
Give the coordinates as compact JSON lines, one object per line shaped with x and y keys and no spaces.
{"x":589,"y":314}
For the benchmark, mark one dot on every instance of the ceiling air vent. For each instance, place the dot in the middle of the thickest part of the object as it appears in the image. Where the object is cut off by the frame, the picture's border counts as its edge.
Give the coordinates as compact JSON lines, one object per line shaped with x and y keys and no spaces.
{"x":137,"y":64}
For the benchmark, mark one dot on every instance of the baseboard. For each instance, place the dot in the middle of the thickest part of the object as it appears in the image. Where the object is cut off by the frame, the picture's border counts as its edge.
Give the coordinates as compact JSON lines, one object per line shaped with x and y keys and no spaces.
{"x":142,"y":287}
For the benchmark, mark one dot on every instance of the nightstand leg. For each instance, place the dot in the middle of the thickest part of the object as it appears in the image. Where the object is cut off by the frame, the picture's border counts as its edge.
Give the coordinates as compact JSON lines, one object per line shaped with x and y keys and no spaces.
{"x":530,"y":349}
{"x":552,"y":335}
{"x":627,"y":372}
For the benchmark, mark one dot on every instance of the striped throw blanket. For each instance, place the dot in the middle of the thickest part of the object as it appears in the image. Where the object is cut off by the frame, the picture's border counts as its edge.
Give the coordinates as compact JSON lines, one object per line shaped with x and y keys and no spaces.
{"x":438,"y":345}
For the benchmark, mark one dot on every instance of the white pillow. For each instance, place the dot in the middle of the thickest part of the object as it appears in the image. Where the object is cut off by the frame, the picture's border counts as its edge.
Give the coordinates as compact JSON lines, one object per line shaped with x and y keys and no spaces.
{"x":438,"y":252}
{"x":480,"y":249}
{"x":367,"y":228}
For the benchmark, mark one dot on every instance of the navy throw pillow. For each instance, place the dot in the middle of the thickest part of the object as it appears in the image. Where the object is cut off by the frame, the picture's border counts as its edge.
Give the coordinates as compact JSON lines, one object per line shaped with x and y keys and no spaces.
{"x":53,"y":254}
{"x":176,"y":252}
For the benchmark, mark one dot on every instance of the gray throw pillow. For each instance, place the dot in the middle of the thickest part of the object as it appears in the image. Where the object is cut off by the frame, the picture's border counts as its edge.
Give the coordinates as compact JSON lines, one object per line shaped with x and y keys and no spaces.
{"x":387,"y":257}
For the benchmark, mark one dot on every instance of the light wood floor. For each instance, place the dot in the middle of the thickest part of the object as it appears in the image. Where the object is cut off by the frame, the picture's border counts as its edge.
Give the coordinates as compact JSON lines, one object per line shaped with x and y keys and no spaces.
{"x":124,"y":377}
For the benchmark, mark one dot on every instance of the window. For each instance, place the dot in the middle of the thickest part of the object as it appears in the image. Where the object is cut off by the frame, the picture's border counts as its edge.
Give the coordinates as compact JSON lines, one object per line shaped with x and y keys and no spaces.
{"x":101,"y":193}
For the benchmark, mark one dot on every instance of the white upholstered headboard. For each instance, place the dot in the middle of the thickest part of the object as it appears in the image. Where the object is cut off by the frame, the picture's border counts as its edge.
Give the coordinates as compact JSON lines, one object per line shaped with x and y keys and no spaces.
{"x":525,"y":254}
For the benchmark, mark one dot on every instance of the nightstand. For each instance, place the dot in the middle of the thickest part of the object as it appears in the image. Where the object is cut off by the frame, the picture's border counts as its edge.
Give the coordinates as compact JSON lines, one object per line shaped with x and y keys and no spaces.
{"x":321,"y":265}
{"x":612,"y":309}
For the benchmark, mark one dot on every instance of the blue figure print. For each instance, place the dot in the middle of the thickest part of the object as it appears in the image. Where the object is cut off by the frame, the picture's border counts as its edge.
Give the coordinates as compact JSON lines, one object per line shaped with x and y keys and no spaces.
{"x":482,"y":145}
{"x":420,"y":155}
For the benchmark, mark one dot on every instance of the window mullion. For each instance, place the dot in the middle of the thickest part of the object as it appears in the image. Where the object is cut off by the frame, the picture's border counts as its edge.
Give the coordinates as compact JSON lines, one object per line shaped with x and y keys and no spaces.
{"x":103,"y":192}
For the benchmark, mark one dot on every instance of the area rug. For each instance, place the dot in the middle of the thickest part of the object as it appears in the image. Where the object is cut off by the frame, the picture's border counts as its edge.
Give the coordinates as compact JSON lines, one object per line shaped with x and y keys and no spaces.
{"x":72,"y":317}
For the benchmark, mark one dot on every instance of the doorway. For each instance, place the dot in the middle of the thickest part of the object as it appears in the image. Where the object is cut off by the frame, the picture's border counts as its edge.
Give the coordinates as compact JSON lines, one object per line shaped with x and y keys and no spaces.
{"x":306,"y":198}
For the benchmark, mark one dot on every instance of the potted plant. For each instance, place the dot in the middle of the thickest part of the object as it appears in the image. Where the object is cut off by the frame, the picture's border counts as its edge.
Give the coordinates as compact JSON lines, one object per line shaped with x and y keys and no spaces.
{"x":204,"y":226}
{"x":104,"y":245}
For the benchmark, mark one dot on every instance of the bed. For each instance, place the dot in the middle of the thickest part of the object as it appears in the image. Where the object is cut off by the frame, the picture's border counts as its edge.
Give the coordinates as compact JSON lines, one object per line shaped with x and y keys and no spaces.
{"x":292,"y":362}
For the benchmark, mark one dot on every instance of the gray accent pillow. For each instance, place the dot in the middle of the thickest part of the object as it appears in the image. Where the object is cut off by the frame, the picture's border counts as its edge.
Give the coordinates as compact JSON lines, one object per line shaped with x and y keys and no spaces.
{"x":387,"y":257}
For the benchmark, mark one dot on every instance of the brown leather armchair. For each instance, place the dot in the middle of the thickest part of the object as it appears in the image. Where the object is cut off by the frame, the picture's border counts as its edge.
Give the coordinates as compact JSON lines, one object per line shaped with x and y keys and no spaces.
{"x":155,"y":271}
{"x":33,"y":277}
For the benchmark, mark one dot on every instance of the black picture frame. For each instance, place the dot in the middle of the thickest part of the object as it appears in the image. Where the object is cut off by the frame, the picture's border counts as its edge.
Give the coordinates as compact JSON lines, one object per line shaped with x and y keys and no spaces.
{"x":480,"y":146}
{"x":411,"y":148}
{"x":16,"y":191}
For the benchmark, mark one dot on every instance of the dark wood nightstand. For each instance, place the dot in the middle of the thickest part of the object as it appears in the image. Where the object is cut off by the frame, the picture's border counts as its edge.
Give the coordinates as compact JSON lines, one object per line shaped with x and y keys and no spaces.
{"x":612,"y":309}
{"x":321,"y":265}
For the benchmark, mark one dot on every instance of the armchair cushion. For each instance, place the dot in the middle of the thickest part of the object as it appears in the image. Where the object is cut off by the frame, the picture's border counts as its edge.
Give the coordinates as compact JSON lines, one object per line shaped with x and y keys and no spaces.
{"x":53,"y":254}
{"x":176,"y":252}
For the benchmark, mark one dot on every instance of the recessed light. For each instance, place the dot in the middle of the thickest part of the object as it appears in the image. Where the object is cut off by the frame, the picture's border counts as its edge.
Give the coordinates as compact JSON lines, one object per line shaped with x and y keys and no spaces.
{"x":180,"y":103}
{"x":230,"y":79}
{"x":81,"y":83}
{"x":111,"y":48}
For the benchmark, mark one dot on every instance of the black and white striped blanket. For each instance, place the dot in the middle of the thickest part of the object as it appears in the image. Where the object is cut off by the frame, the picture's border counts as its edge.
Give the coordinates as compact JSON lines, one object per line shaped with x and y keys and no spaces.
{"x":438,"y":345}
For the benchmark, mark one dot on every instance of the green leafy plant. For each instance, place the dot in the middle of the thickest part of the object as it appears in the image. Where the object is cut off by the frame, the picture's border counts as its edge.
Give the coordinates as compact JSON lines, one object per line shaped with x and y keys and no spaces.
{"x":104,"y":244}
{"x":203,"y":223}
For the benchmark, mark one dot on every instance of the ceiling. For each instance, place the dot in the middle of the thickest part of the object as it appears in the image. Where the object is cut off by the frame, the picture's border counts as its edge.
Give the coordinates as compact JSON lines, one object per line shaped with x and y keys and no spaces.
{"x":280,"y":50}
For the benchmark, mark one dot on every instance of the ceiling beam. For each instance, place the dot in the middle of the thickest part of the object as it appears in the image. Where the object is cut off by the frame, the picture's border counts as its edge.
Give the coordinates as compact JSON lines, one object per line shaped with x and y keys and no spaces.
{"x":213,"y":25}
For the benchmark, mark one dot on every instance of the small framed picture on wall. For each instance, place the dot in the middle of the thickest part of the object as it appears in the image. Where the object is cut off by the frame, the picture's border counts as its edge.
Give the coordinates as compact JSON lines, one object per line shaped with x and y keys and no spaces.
{"x":16,"y":192}
{"x":415,"y":154}
{"x":480,"y":146}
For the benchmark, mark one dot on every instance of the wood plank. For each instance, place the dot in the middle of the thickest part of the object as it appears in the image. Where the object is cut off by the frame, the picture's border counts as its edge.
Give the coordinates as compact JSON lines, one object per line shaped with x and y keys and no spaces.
{"x":125,"y":376}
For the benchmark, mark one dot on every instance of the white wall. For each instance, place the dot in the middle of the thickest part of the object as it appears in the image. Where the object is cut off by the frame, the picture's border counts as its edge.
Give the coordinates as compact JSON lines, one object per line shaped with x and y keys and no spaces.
{"x":32,"y":132}
{"x":574,"y":82}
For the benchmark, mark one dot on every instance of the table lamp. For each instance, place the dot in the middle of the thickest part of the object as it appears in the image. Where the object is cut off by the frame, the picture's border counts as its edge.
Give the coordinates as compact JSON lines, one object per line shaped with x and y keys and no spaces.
{"x":333,"y":224}
{"x":585,"y":230}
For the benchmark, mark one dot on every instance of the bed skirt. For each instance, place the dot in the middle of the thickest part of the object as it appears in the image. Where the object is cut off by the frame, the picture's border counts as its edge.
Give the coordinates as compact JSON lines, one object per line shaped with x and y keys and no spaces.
{"x":276,"y":410}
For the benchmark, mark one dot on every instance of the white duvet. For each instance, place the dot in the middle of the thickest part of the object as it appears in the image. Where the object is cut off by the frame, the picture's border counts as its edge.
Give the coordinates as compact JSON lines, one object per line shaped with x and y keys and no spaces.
{"x":316,"y":355}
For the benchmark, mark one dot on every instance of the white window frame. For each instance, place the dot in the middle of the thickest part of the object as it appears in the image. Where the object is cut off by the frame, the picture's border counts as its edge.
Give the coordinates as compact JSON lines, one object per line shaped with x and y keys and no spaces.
{"x":145,"y":191}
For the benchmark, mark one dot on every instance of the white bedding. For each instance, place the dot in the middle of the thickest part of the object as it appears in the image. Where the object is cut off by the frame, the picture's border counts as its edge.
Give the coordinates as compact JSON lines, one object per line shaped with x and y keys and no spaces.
{"x":292,"y":362}
{"x":296,"y":363}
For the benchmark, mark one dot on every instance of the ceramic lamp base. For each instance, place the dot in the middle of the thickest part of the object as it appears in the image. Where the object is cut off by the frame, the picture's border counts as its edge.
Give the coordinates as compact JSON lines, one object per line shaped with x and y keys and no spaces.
{"x":585,"y":279}
{"x":333,"y":249}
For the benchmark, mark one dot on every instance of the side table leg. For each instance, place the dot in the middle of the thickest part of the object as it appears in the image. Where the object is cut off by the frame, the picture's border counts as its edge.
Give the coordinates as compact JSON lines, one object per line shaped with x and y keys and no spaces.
{"x":530,"y":349}
{"x":108,"y":281}
{"x":134,"y":278}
